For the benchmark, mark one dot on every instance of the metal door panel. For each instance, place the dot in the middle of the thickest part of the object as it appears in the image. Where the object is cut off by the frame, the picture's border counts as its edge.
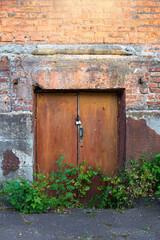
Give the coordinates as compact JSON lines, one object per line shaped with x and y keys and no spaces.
{"x":56,"y":129}
{"x":98,"y":114}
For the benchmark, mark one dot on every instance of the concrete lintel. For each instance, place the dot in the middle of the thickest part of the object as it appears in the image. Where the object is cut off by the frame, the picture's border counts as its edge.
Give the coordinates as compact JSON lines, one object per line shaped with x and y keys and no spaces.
{"x":92,"y":48}
{"x":83,"y":50}
{"x":12,"y":50}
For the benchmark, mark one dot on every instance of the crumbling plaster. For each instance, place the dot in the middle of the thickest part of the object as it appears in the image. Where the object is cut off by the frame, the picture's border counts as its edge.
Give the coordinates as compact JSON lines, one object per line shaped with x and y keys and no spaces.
{"x":29,"y":71}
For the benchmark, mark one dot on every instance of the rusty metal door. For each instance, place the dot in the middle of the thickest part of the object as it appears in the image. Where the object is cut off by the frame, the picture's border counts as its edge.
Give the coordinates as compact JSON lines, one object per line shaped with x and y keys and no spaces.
{"x":98,"y":113}
{"x":56,"y":130}
{"x":80,"y":126}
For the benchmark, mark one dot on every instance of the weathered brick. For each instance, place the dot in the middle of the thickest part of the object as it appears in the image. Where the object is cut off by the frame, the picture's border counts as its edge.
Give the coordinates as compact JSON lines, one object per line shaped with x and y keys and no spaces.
{"x":30,"y":9}
{"x":155,"y":90}
{"x":154,"y":69}
{"x":9,"y":9}
{"x":146,"y":3}
{"x":11,"y":21}
{"x":127,"y":17}
{"x":38,"y":37}
{"x":153,"y":85}
{"x":8,"y":3}
{"x":155,"y":74}
{"x":157,"y":80}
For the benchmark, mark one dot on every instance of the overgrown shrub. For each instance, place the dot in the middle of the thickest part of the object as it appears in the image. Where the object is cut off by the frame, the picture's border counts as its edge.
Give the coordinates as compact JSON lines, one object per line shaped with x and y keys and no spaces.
{"x":68,"y":184}
{"x":28,"y":196}
{"x":140,"y":179}
{"x":57,"y":190}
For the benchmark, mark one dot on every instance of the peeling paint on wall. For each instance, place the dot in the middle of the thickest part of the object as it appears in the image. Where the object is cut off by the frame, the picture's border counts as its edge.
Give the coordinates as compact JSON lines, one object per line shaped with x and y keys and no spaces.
{"x":152,"y":118}
{"x":10,"y":162}
{"x":141,"y":139}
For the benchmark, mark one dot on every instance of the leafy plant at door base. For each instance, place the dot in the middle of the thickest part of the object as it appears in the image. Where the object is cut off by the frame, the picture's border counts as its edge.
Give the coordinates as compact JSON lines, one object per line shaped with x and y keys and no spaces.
{"x":140,"y":179}
{"x":67,"y":185}
{"x":28,"y":196}
{"x":56,"y":190}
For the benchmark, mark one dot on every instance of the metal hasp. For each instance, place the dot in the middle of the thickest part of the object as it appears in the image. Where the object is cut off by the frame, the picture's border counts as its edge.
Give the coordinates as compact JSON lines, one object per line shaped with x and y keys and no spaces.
{"x":80,"y":130}
{"x":78,"y":122}
{"x":81,"y":134}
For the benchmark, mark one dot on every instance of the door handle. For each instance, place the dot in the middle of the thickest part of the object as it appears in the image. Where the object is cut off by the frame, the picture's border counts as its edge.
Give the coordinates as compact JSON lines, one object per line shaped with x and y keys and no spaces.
{"x":81,"y":133}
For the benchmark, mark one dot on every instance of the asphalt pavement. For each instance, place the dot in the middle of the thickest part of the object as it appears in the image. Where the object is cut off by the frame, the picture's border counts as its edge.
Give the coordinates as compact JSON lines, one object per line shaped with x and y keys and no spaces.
{"x":139,"y":223}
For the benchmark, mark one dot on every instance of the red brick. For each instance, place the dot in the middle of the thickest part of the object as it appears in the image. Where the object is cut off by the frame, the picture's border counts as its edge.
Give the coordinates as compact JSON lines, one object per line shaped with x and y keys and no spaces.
{"x":18,"y":15}
{"x":46,"y":3}
{"x":30,"y":9}
{"x":10,"y":9}
{"x":8,"y":3}
{"x":123,"y":29}
{"x":38,"y":37}
{"x":31,"y":22}
{"x":157,"y":80}
{"x":7,"y":38}
{"x":155,"y":74}
{"x":115,"y":35}
{"x":155,"y":10}
{"x":125,"y":3}
{"x":50,"y":9}
{"x":146,"y":29}
{"x":151,"y":96}
{"x":11,"y":22}
{"x":19,"y":37}
{"x":152,"y":103}
{"x":61,"y":15}
{"x":156,"y":16}
{"x":146,"y":3}
{"x":2,"y":80}
{"x":154,"y":69}
{"x":65,"y":3}
{"x":153,"y":85}
{"x":37,"y":15}
{"x":155,"y":90}
{"x":115,"y":22}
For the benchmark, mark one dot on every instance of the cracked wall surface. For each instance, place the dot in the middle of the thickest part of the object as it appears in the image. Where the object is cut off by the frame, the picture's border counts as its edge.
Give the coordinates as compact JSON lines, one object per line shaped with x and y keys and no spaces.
{"x":23,"y":71}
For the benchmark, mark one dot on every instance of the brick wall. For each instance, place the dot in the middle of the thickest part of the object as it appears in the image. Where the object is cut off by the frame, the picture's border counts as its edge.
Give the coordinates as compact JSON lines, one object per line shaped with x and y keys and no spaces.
{"x":143,"y":88}
{"x":80,"y":21}
{"x":5,"y":91}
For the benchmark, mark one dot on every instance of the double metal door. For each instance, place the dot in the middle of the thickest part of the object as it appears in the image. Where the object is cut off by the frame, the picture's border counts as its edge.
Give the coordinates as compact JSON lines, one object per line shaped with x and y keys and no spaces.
{"x":81,"y":126}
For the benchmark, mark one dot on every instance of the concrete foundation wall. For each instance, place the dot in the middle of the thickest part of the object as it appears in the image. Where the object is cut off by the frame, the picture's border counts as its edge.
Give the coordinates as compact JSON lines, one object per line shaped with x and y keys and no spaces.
{"x":16,"y":145}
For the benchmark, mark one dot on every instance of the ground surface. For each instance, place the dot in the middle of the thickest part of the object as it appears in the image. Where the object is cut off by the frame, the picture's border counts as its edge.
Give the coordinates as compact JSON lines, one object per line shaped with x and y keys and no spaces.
{"x":139,"y":223}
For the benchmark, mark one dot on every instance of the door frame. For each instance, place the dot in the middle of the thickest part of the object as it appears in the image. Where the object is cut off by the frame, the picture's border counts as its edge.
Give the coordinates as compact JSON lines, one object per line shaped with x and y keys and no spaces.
{"x":121,"y":120}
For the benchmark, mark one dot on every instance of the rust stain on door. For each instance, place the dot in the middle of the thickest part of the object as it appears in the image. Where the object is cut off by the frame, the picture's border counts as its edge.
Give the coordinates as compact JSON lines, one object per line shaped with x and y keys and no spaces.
{"x":57,"y":130}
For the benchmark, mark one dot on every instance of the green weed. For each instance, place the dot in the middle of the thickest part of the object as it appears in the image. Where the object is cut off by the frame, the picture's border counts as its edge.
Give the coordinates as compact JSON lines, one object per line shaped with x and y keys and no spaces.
{"x":65,"y":187}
